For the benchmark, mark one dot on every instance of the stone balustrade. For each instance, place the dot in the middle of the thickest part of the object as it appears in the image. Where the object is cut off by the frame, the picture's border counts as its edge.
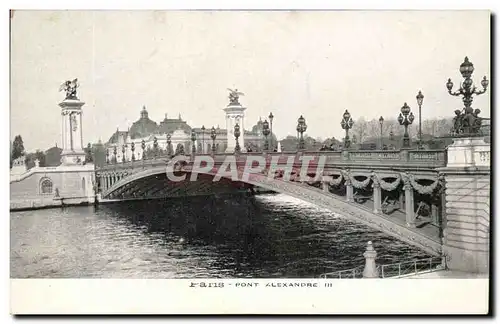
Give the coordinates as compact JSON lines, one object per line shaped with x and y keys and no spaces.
{"x":420,"y":158}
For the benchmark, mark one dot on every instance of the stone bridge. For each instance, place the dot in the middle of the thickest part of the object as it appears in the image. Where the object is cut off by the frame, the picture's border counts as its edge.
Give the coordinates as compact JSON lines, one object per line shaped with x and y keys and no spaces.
{"x":396,"y":192}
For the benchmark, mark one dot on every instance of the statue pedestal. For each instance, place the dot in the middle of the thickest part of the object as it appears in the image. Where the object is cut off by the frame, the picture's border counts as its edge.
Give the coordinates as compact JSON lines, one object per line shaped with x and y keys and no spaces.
{"x":72,"y":157}
{"x":468,"y":152}
{"x":235,"y":114}
{"x":72,"y":134}
{"x":466,"y":223}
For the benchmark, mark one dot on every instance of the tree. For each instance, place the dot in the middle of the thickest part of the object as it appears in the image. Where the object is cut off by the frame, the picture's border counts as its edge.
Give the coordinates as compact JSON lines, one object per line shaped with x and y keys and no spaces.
{"x":99,"y":154}
{"x":289,"y":143}
{"x":10,"y":150}
{"x":17,"y":147}
{"x":443,"y":126}
{"x":436,"y":127}
{"x":360,"y":129}
{"x":32,"y":157}
{"x":429,"y":126}
{"x":53,"y":156}
{"x":88,"y":153}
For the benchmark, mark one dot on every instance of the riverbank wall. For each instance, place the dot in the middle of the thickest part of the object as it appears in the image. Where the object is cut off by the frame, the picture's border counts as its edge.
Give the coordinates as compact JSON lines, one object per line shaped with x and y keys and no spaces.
{"x":57,"y":187}
{"x":52,"y":187}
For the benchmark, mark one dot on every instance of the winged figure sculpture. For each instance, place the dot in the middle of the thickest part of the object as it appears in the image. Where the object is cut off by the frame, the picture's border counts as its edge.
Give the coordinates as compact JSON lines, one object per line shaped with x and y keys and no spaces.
{"x":70,"y":88}
{"x":234,"y":95}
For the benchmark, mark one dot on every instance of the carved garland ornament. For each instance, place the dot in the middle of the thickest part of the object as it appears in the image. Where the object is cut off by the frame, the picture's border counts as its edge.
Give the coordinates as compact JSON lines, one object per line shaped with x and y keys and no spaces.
{"x":337,"y":181}
{"x":423,"y":190}
{"x":389,"y":186}
{"x":359,"y":184}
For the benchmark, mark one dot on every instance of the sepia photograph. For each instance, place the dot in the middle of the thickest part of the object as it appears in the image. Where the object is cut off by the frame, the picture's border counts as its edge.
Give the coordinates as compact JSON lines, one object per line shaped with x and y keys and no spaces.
{"x":285,"y":151}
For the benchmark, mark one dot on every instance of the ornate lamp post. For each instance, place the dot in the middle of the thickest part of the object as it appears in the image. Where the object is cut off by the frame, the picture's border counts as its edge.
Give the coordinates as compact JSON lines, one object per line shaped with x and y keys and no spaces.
{"x":265,"y":132}
{"x":405,"y":119}
{"x":381,"y":122}
{"x":271,"y":117}
{"x":347,"y":124}
{"x":391,"y":138}
{"x":237,"y":148}
{"x":203,"y":139}
{"x":114,"y":153}
{"x":301,"y":128}
{"x":420,"y":100}
{"x":123,"y":153}
{"x":213,"y":136}
{"x":467,"y":122}
{"x":155,"y":146}
{"x":169,"y":145}
{"x":88,"y":155}
{"x":132,"y":148}
{"x":193,"y":139}
{"x":143,"y":146}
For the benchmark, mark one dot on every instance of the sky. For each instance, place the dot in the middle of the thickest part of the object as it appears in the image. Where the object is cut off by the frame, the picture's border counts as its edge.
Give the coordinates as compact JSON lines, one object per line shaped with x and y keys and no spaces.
{"x":291,"y":63}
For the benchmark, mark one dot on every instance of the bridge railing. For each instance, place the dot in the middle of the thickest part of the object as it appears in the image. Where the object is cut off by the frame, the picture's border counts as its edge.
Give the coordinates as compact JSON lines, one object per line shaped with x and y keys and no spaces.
{"x":393,"y":270}
{"x":431,"y":158}
{"x":354,"y":273}
{"x":407,"y":268}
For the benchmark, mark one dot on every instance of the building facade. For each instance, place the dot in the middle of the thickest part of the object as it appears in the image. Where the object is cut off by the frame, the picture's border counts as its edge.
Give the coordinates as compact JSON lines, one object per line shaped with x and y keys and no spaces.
{"x":140,"y":138}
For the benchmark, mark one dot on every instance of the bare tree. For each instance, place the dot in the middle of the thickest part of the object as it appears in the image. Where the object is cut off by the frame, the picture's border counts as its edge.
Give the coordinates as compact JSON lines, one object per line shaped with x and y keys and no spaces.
{"x":443,"y":126}
{"x":374,"y":127}
{"x":437,"y":127}
{"x":429,"y":126}
{"x":392,"y":125}
{"x":360,"y":129}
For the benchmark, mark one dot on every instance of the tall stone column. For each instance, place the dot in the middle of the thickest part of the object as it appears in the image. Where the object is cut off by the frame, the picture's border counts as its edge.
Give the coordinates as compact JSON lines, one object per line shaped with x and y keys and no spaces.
{"x":467,"y":200}
{"x":72,"y":135}
{"x":349,"y":196}
{"x":100,"y":183}
{"x":409,"y":203}
{"x":377,"y":198}
{"x":235,"y":114}
{"x":434,"y":214}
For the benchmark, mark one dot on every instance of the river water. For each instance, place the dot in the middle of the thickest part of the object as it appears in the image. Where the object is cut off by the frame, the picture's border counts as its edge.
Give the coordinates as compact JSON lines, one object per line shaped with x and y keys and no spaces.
{"x":266,"y":236}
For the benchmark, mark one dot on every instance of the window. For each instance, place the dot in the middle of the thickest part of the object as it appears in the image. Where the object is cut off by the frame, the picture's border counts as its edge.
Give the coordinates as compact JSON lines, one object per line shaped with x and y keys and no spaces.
{"x":46,"y":186}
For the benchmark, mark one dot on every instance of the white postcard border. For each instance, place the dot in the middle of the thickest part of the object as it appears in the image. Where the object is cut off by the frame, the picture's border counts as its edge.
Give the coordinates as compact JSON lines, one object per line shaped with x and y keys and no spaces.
{"x":265,"y":296}
{"x":71,"y":296}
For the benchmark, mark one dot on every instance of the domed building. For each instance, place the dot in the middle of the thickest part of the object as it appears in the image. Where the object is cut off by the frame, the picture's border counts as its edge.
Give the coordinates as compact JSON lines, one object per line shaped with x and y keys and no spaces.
{"x":143,"y":127}
{"x":141,"y":137}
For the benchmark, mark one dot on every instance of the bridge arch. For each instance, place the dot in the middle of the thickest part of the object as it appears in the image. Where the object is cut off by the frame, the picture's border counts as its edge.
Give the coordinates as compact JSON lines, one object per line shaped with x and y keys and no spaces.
{"x":310,"y":194}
